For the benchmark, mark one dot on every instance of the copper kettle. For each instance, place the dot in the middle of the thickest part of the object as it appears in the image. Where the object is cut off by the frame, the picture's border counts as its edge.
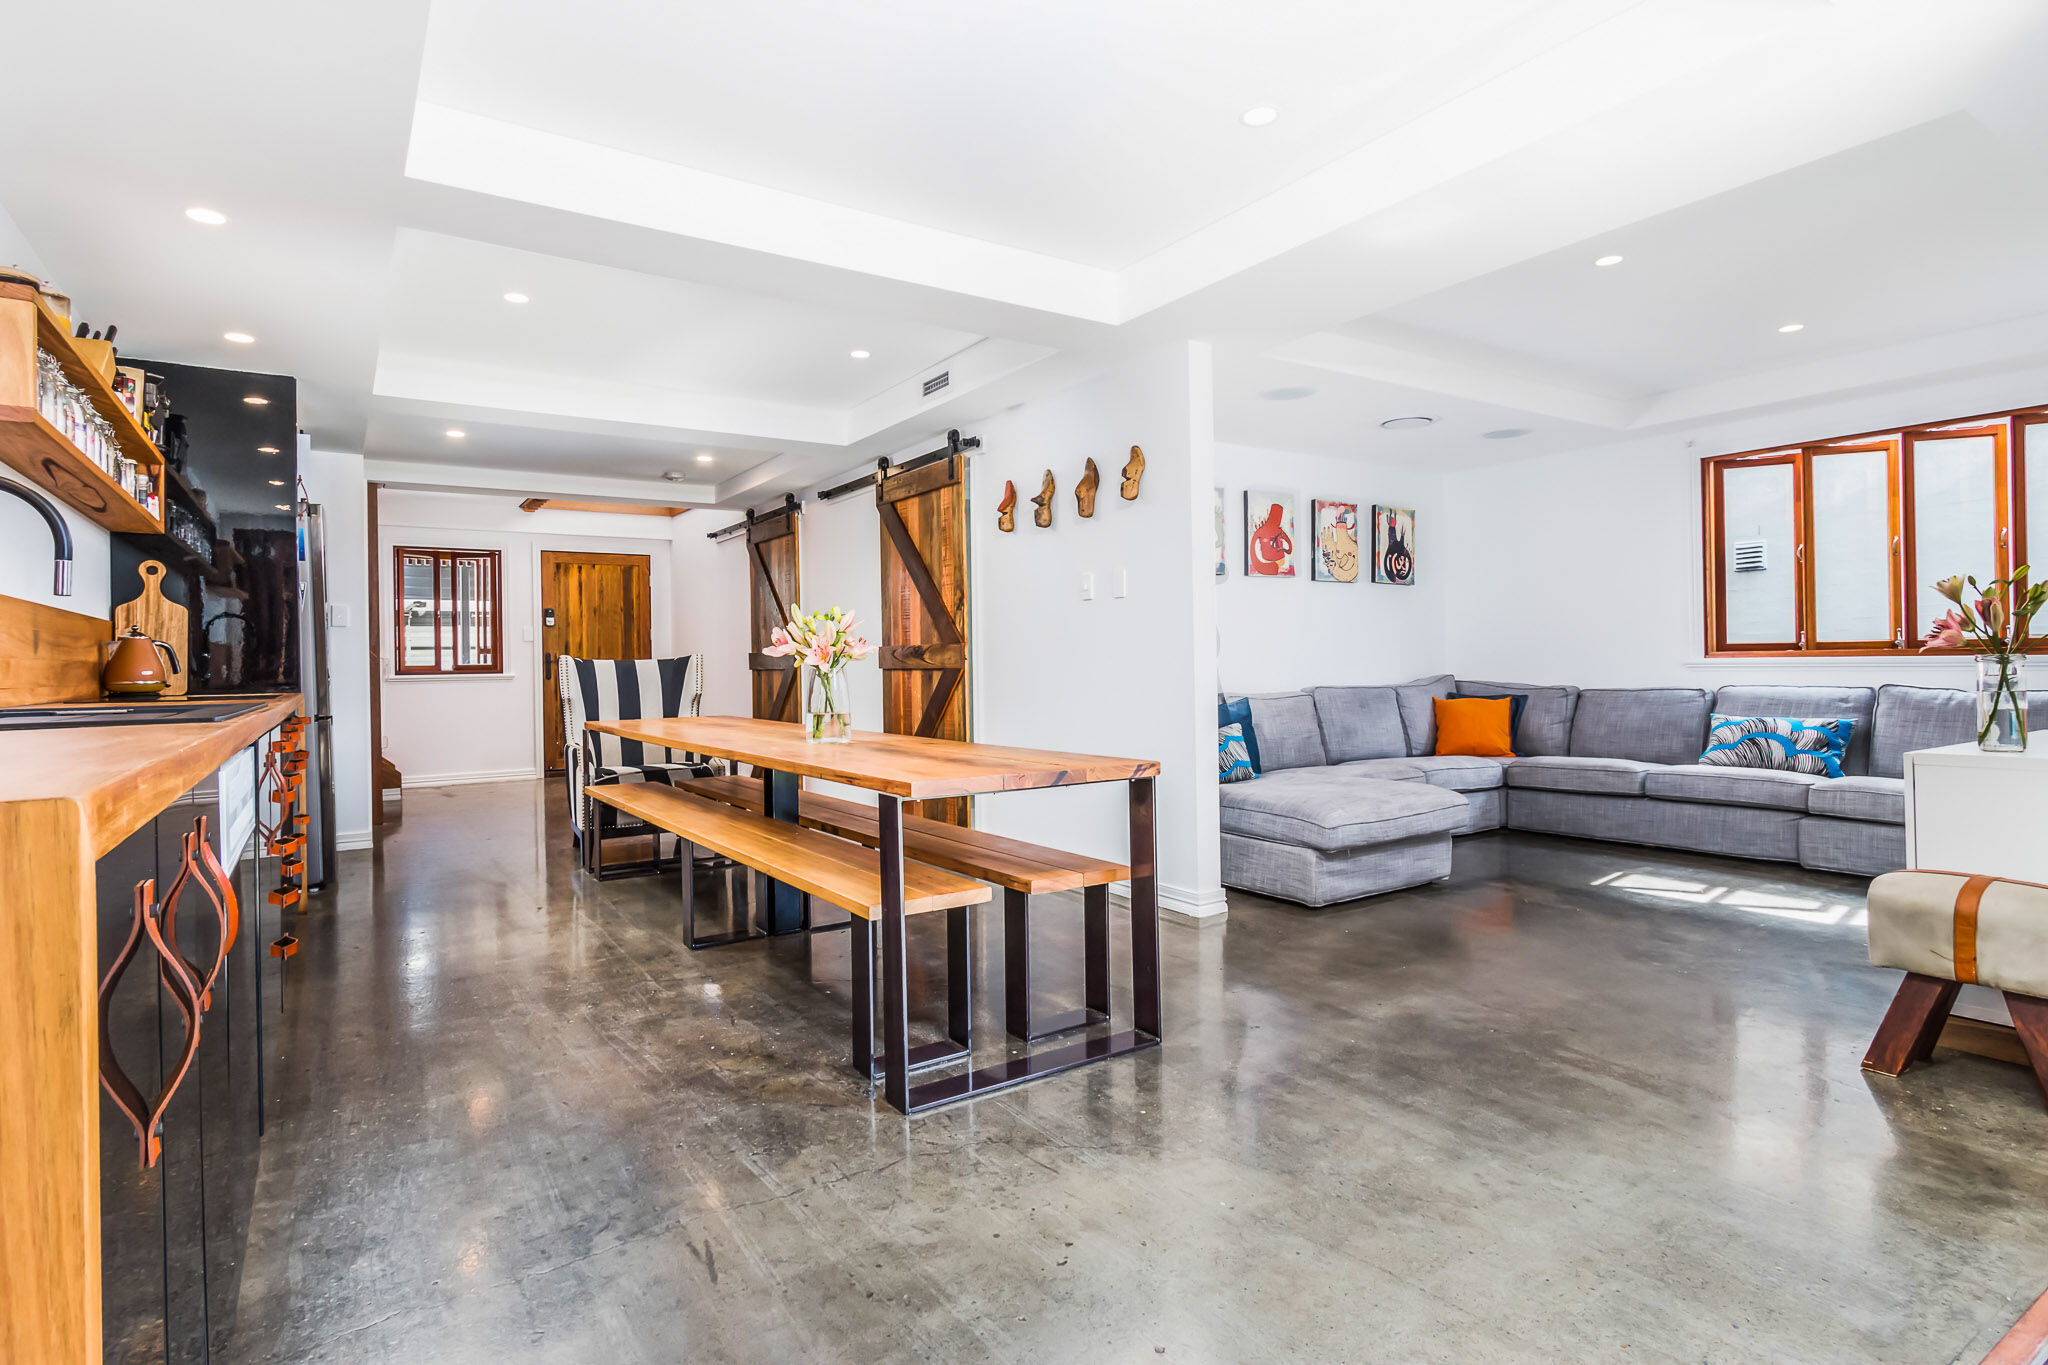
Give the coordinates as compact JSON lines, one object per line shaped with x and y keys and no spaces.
{"x":132,"y":669}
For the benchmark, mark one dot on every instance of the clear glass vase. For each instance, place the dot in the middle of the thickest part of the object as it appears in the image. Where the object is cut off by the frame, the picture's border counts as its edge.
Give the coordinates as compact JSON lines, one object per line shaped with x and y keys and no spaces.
{"x":826,"y":719}
{"x":2002,"y":704}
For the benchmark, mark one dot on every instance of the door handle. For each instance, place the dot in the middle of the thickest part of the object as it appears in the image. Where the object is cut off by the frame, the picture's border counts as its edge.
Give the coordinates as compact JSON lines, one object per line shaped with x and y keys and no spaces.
{"x":547,"y":666}
{"x":146,"y":1116}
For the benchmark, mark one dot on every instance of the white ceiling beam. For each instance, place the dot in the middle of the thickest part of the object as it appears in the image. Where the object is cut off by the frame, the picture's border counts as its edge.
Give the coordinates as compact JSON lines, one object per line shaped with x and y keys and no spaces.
{"x":526,"y":483}
{"x":488,"y":156}
{"x":1394,"y":363}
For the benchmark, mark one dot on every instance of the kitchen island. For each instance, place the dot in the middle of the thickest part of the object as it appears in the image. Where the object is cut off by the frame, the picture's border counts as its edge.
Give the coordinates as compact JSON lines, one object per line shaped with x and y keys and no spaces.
{"x":67,"y":798}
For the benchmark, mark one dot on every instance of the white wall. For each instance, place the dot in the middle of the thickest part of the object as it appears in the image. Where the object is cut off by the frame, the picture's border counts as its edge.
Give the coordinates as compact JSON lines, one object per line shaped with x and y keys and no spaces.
{"x":485,"y":728}
{"x":25,"y":552}
{"x":710,"y":615}
{"x":1276,"y":634}
{"x":1131,"y":676}
{"x":1586,"y":567}
{"x":334,"y":480}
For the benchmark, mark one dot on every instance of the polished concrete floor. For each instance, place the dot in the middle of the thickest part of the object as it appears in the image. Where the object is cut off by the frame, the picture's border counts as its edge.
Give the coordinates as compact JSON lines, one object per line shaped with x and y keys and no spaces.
{"x":1579,"y":1103}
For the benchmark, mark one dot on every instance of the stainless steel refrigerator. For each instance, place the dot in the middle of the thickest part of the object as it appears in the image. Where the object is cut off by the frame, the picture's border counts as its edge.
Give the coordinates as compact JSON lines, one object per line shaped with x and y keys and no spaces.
{"x":313,"y":678}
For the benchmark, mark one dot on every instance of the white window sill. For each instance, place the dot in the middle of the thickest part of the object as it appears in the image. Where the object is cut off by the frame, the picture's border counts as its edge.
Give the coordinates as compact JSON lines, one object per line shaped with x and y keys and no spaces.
{"x":449,"y":677}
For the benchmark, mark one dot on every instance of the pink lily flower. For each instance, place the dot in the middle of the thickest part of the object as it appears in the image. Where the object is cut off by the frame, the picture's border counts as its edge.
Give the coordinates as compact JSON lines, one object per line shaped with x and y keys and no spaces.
{"x":1947,"y":633}
{"x":779,"y":643}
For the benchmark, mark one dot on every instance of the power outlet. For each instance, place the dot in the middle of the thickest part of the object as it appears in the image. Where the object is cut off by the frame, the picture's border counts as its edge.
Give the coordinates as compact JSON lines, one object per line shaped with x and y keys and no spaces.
{"x":1120,"y":583}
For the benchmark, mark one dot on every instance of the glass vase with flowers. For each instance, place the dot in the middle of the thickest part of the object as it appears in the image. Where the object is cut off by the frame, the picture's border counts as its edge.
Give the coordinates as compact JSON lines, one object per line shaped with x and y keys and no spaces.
{"x":823,"y":643}
{"x":1997,"y":622}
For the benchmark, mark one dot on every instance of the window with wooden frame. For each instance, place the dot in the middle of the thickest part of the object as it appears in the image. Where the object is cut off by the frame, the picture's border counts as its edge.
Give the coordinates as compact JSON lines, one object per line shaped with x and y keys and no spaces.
{"x":446,"y":611}
{"x":1833,"y":547}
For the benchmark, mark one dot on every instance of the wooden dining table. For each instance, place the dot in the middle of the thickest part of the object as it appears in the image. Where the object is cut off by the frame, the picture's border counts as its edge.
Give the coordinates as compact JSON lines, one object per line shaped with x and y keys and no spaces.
{"x":900,"y":768}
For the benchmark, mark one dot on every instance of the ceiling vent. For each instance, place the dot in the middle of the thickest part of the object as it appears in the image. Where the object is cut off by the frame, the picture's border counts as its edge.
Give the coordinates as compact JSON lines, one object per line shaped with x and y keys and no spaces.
{"x":1750,"y":556}
{"x":937,"y":382}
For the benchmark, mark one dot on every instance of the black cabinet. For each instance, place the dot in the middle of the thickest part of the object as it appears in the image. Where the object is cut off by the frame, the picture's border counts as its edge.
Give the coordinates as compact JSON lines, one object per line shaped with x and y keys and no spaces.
{"x":173,"y":1233}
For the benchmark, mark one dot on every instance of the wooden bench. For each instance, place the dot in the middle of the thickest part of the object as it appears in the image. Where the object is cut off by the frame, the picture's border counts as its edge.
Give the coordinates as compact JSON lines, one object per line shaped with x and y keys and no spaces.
{"x":831,"y":869}
{"x":1021,"y":869}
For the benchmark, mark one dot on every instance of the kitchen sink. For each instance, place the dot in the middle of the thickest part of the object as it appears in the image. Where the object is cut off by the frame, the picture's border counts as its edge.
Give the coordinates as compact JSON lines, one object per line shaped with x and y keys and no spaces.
{"x":139,"y":713}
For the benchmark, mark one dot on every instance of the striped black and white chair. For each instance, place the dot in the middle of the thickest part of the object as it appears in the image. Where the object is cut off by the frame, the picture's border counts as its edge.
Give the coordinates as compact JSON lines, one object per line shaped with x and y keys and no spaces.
{"x":623,"y":689}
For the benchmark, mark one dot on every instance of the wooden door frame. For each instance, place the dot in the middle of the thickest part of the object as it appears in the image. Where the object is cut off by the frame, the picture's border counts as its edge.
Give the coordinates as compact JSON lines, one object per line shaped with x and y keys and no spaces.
{"x":550,"y":701}
{"x":760,"y":529}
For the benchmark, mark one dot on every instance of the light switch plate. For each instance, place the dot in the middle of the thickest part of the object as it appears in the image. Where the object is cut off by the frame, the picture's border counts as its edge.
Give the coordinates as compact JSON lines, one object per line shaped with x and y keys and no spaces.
{"x":1087,"y":587}
{"x":337,"y":615}
{"x":1120,"y":584}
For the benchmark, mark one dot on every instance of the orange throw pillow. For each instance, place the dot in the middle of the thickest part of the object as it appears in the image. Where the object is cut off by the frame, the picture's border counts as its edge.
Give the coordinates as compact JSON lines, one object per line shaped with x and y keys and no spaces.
{"x":1474,"y":726}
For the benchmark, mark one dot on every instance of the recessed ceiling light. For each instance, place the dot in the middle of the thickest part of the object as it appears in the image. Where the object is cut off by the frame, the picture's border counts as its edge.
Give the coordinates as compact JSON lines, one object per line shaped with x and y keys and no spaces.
{"x":1288,"y":393}
{"x":277,"y":483}
{"x":455,"y":433}
{"x":858,"y":355}
{"x":239,"y":338}
{"x":266,"y":450}
{"x":1406,"y":423}
{"x":1793,"y":327}
{"x":210,"y":217}
{"x":1258,"y":116}
{"x":516,"y":297}
{"x":1505,"y":433}
{"x":1608,"y":260}
{"x":703,"y":457}
{"x":675,"y":476}
{"x":256,"y":400}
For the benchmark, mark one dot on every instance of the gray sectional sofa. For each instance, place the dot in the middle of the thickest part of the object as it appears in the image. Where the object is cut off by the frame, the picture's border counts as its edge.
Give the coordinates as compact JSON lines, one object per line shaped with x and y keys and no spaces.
{"x":1352,"y":800}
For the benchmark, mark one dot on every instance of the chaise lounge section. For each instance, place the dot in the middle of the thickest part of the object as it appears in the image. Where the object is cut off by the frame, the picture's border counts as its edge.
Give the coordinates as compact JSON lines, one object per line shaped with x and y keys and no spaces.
{"x":1352,"y":800}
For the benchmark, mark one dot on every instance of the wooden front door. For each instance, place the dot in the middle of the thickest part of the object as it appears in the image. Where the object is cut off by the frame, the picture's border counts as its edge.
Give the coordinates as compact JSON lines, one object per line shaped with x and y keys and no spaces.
{"x":923,"y":651}
{"x":771,"y":591}
{"x":592,"y":606}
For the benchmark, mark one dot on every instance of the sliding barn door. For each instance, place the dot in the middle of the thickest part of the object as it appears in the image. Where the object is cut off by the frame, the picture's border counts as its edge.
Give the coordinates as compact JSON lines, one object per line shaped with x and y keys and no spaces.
{"x":924,"y":608}
{"x":772,"y":591}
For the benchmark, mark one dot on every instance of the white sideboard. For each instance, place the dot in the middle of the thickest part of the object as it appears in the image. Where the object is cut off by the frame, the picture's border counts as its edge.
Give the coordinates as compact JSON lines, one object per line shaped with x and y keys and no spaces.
{"x":1969,"y":811}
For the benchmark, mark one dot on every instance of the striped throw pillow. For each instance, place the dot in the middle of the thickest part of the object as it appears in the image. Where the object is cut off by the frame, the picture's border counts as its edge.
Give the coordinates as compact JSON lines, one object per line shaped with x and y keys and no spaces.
{"x":1233,"y":759}
{"x":1813,"y":747}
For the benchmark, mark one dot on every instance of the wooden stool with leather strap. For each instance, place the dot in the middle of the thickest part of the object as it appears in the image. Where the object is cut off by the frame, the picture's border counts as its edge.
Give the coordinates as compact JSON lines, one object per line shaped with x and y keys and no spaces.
{"x":1947,"y":930}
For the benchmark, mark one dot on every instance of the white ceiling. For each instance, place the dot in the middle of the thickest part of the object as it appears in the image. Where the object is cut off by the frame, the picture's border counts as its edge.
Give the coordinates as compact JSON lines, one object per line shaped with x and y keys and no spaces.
{"x":1938,"y":228}
{"x":1093,"y":133}
{"x":711,"y":205}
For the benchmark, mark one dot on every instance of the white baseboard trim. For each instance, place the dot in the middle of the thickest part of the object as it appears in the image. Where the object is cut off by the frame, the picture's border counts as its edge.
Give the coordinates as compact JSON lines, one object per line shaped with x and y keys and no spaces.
{"x":348,"y":841}
{"x":473,"y":779}
{"x":1179,"y":905}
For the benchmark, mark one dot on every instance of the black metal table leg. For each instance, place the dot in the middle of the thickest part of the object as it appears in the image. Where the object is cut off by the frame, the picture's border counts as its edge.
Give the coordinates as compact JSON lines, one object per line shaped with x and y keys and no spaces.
{"x":1017,"y":964}
{"x":895,"y":984}
{"x":1144,"y":909}
{"x":779,"y":796}
{"x":1095,"y":937}
{"x":860,"y":957}
{"x":959,"y":979}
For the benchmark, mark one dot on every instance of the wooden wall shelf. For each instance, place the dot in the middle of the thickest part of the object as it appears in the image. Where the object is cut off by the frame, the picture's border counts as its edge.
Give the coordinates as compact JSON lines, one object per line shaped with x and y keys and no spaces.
{"x":31,"y":444}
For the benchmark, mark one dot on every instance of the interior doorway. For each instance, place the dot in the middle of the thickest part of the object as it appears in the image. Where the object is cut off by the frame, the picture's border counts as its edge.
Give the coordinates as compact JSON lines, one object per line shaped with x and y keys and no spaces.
{"x":592,"y":606}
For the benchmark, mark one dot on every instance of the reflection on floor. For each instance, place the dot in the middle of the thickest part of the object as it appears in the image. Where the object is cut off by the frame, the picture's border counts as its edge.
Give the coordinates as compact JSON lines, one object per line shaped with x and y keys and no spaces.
{"x":1579,"y":1102}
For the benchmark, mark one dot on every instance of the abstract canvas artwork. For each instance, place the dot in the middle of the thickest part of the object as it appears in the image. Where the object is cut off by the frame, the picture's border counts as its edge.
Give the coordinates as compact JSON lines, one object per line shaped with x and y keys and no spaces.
{"x":1335,"y":559}
{"x":1268,"y":534}
{"x":1393,"y":545}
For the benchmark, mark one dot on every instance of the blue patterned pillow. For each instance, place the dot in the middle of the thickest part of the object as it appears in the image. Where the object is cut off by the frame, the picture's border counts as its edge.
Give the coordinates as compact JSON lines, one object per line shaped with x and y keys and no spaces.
{"x":1239,"y":713}
{"x":1233,"y":760}
{"x":1814,"y":747}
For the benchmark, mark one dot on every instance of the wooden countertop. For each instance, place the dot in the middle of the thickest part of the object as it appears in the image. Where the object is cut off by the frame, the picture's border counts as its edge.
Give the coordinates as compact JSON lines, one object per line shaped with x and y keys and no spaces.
{"x":122,"y":775}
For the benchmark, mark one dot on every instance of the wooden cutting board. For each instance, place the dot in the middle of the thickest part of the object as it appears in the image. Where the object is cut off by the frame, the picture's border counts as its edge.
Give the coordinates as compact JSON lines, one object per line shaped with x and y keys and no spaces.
{"x":159,"y":618}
